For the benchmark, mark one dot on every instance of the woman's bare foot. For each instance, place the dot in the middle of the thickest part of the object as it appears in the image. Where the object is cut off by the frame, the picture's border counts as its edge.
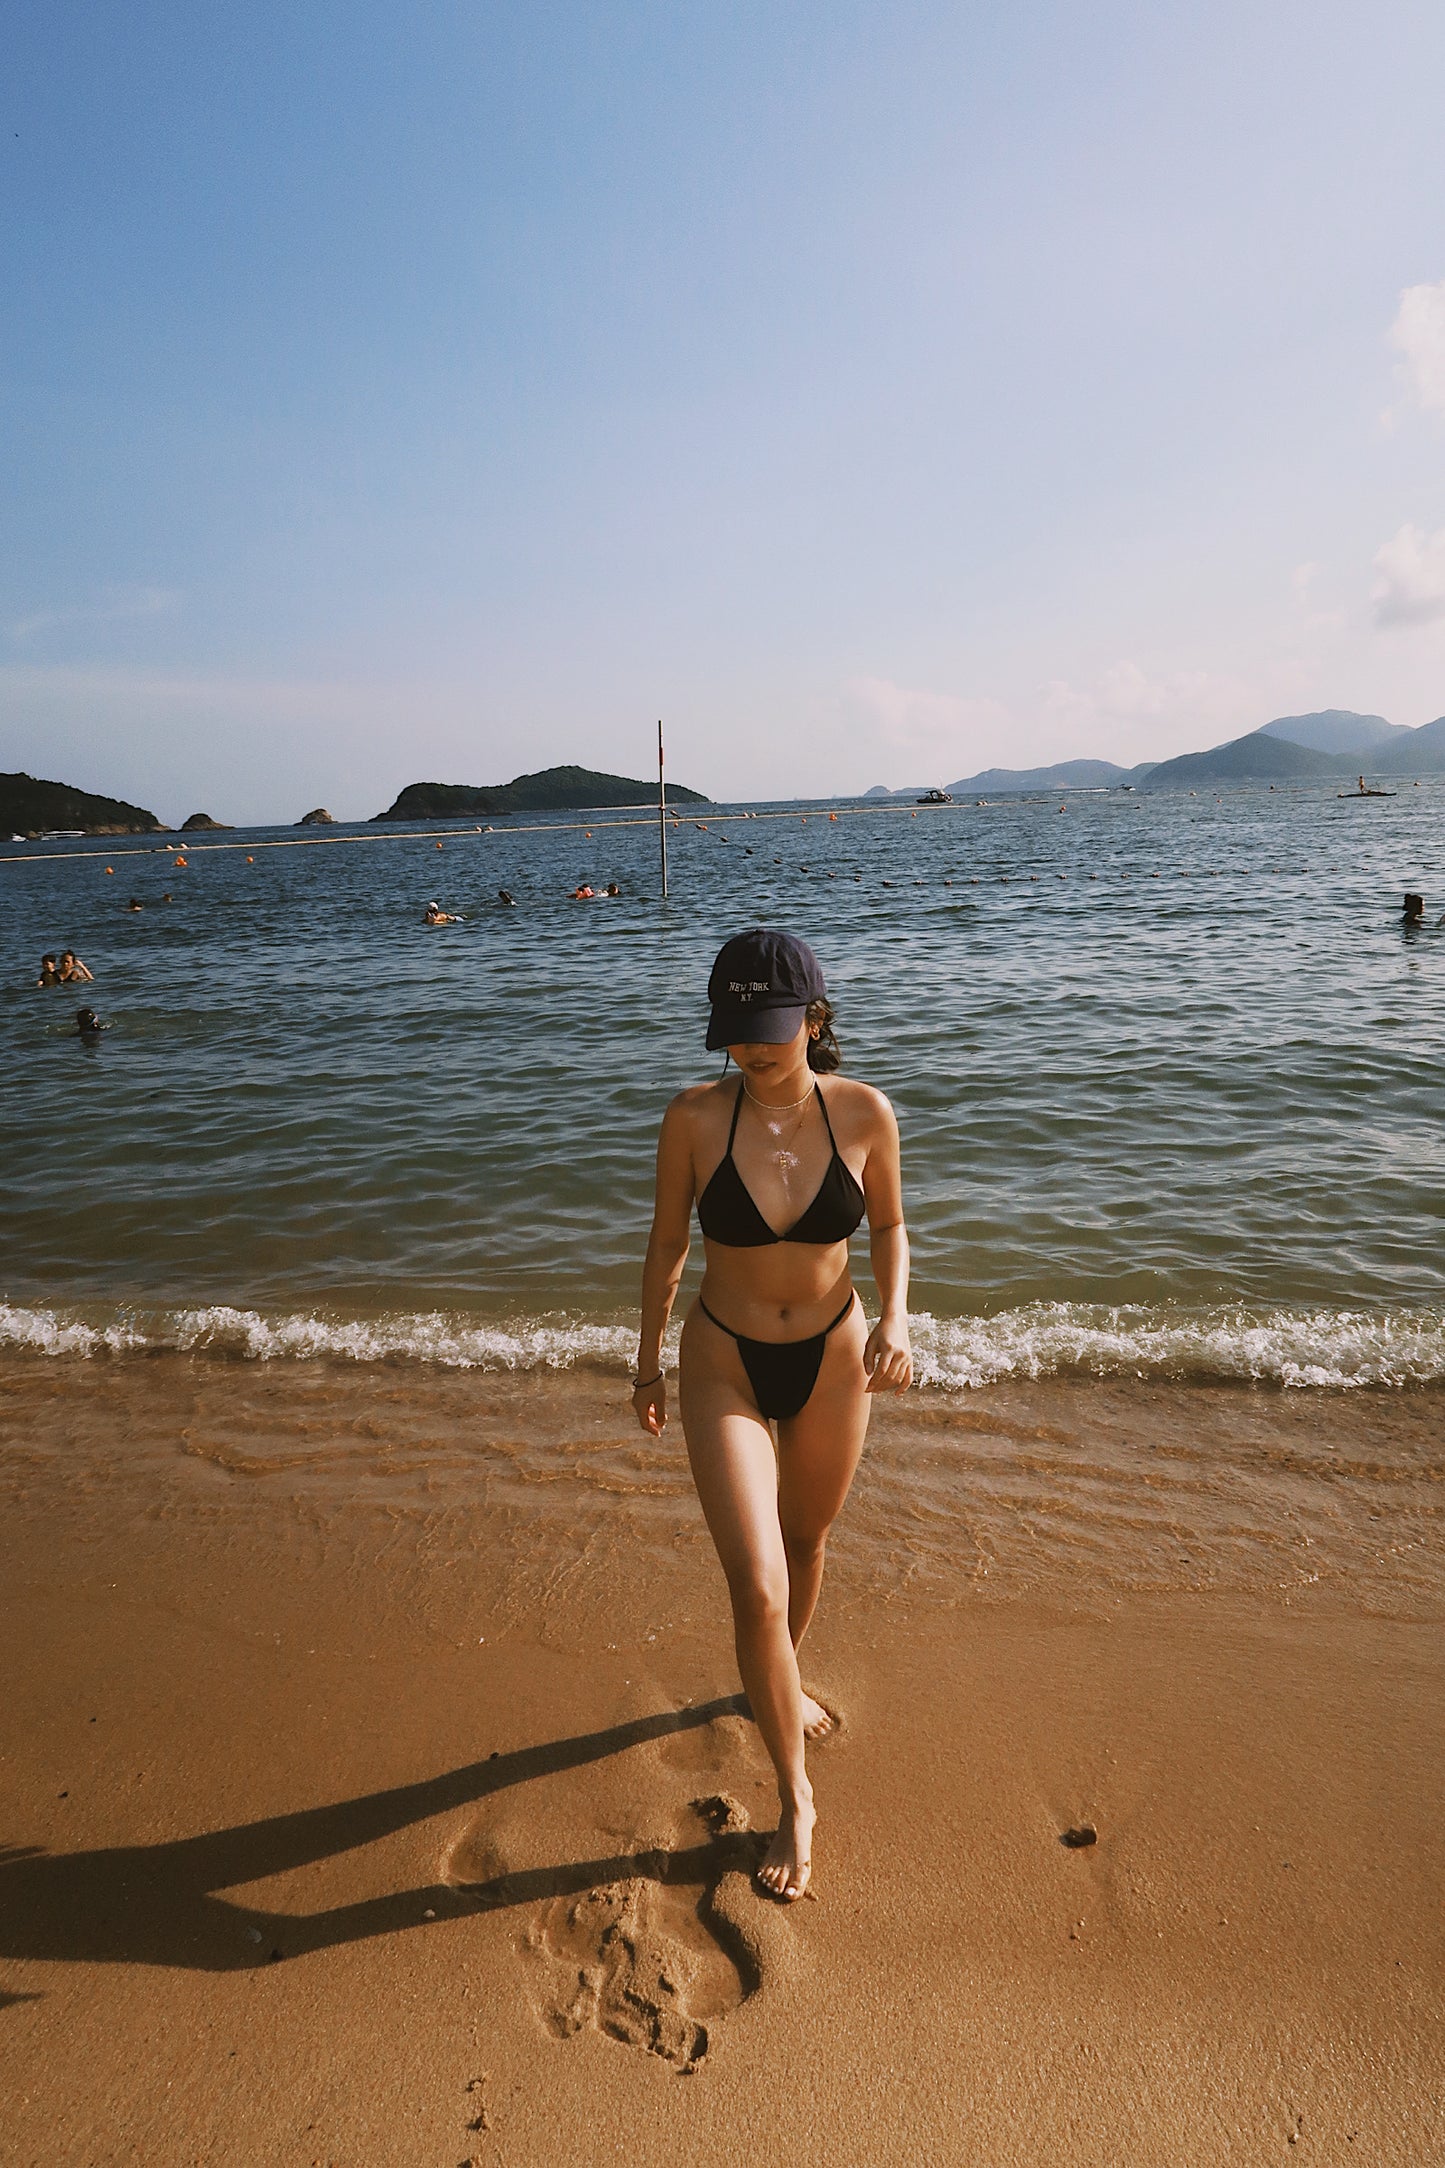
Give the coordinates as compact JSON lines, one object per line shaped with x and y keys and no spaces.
{"x":788,"y":1861}
{"x":817,"y":1721}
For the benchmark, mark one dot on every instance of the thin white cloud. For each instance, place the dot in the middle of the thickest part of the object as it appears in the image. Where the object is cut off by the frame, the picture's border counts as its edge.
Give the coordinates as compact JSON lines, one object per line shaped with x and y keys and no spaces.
{"x":915,"y":721}
{"x":127,"y":693}
{"x":1125,"y":693}
{"x":1418,"y":336}
{"x":114,"y":606}
{"x":1310,"y":619}
{"x":1409,"y":585}
{"x":1125,"y":714}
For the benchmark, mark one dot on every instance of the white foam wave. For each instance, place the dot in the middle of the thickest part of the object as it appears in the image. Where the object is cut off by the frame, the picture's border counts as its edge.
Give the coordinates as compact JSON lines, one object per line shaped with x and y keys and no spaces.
{"x":527,"y":1344}
{"x":1329,"y":1348}
{"x":52,"y":1332}
{"x":1338,"y":1348}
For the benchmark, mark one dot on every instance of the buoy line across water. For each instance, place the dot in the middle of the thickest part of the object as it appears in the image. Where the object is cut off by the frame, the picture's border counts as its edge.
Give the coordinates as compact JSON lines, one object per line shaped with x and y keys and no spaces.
{"x":643,"y":818}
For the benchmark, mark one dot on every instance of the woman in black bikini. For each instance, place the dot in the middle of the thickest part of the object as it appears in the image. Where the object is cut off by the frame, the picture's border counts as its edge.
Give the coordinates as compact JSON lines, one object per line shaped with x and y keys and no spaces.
{"x":783,"y":1170}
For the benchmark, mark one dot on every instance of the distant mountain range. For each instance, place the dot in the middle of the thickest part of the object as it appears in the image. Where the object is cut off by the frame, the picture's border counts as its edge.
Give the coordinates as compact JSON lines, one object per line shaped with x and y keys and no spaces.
{"x":1336,"y":730}
{"x":1330,"y":742}
{"x":1270,"y":755}
{"x":1000,"y":782}
{"x":551,"y":790}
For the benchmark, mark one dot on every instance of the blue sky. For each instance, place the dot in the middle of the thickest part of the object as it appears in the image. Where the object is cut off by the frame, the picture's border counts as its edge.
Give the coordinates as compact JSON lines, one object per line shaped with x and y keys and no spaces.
{"x":875,"y":392}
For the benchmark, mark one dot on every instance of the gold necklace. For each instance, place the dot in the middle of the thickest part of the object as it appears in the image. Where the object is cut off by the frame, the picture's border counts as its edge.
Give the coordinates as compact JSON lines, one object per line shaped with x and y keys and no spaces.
{"x":783,"y":1158}
{"x":783,"y":1106}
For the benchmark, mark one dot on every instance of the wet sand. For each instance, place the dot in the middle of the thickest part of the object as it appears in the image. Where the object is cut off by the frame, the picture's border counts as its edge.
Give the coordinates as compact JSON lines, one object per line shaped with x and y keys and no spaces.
{"x":374,"y":1788}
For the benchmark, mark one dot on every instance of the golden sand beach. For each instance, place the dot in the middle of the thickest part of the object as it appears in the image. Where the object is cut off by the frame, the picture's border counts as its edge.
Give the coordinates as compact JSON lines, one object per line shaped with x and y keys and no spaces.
{"x":375,"y":1788}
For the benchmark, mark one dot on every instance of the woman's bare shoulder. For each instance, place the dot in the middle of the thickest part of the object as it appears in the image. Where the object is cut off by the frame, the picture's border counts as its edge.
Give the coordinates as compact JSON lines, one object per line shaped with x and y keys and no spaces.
{"x":696,"y":1102}
{"x":861,"y":1103}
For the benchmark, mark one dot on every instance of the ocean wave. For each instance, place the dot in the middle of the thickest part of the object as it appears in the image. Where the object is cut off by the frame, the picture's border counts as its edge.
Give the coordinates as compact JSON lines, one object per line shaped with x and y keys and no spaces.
{"x":1319,"y":1348}
{"x":449,"y":1341}
{"x":1333,"y":1348}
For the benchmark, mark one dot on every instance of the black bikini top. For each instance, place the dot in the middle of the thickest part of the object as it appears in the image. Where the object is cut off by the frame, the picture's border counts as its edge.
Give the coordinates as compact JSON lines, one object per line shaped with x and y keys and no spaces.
{"x":726,"y":1212}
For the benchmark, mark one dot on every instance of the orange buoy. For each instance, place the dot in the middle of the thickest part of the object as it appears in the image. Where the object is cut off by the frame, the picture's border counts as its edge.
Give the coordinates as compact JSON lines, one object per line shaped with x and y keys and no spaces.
{"x":832,"y":816}
{"x":181,"y":861}
{"x":588,"y":833}
{"x":110,"y":869}
{"x":438,"y":846}
{"x":249,"y":859}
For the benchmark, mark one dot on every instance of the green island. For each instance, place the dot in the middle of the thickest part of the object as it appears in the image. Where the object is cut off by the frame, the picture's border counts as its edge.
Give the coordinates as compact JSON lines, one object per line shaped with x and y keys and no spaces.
{"x":31,"y":807}
{"x":565,"y":789}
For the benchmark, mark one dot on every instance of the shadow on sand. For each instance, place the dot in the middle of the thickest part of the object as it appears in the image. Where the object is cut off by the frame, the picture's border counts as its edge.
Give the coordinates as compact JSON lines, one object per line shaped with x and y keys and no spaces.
{"x":156,"y":1904}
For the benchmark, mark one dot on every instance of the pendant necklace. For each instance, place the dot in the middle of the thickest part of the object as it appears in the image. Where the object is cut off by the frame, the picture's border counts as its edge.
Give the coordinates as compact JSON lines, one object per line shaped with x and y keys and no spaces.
{"x":784,"y":1159}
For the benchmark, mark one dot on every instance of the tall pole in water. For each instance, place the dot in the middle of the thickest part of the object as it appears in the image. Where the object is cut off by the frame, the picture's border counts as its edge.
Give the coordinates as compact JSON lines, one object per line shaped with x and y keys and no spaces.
{"x":661,"y":809}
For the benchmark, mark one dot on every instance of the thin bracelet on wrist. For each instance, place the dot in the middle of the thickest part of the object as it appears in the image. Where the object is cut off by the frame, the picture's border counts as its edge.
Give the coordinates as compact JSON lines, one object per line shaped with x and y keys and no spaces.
{"x":639,"y":1383}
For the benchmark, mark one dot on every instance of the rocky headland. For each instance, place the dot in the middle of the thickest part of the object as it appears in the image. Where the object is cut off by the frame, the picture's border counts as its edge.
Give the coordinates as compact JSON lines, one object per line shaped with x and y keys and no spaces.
{"x":29,"y":806}
{"x":564,"y":789}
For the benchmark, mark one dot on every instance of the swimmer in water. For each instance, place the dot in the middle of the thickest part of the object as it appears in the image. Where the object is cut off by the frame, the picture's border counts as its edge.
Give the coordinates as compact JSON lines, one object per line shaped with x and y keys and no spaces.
{"x":777,"y":1334}
{"x":73,"y":971}
{"x":581,"y":895}
{"x":49,"y":971}
{"x":612,"y":888}
{"x":436,"y":916}
{"x":504,"y":895}
{"x":135,"y":904}
{"x":88,"y":1025}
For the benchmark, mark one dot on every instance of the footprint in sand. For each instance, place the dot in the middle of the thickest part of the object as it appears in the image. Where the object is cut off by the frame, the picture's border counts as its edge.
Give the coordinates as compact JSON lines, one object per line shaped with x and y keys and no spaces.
{"x":650,"y":1947}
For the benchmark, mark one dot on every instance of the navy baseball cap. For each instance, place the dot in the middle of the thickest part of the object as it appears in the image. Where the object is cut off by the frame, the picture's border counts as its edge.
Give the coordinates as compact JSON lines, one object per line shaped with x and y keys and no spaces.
{"x":760,"y":988}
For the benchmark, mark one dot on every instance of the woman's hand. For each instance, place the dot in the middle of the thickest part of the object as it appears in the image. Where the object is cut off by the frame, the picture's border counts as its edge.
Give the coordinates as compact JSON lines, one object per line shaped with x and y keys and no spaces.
{"x":650,"y":1406}
{"x":888,"y":1357}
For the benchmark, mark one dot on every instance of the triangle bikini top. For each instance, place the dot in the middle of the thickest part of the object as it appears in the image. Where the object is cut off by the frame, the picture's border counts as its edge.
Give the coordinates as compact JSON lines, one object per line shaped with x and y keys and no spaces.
{"x":726,"y":1211}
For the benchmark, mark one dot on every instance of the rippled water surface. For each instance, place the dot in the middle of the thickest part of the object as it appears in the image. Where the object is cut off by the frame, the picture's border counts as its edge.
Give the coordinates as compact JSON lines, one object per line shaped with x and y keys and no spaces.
{"x":1172,"y":1058}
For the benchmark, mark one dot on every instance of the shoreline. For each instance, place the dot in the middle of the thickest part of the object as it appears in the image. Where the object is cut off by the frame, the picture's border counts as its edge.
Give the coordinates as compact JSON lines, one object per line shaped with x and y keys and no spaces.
{"x":299,"y":1657}
{"x":1309,"y":1347}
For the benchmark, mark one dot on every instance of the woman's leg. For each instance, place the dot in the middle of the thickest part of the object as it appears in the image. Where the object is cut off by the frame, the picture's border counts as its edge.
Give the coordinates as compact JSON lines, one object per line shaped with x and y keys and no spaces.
{"x":736,"y":1473}
{"x":818,"y":1454}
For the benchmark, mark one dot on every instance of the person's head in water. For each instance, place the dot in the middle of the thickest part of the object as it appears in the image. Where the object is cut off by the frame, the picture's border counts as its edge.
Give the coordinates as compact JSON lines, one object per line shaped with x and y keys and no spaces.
{"x":135,"y":904}
{"x":49,"y":976}
{"x":770,"y":1006}
{"x":1414,"y":911}
{"x":504,"y":895}
{"x":88,"y":1025}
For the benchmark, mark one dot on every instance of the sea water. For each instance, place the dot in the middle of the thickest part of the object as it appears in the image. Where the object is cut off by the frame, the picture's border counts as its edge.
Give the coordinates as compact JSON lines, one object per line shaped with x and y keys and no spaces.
{"x":1169,"y":1071}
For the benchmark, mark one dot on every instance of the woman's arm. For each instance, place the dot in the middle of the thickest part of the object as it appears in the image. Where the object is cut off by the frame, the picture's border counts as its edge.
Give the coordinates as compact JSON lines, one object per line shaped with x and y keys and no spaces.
{"x":887,"y":1357}
{"x":667,"y":1248}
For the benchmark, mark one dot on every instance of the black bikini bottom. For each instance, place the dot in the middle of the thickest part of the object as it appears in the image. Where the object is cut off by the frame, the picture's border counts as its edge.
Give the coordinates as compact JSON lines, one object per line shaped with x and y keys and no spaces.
{"x":782,"y":1373}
